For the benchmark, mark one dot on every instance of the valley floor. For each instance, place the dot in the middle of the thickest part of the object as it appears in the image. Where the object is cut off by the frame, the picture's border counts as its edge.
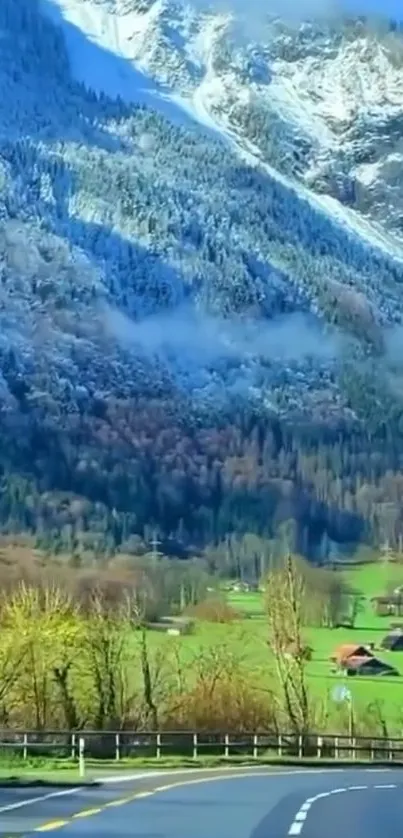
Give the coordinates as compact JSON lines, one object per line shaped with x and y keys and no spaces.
{"x":373,"y":697}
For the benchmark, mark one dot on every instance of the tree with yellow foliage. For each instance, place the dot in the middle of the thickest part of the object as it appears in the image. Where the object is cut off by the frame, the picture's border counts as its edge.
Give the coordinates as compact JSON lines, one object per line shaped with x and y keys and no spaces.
{"x":43,"y":623}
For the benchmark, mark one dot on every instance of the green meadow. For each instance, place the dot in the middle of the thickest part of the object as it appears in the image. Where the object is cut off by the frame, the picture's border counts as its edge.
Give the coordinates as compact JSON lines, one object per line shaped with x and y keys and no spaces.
{"x":246,"y":639}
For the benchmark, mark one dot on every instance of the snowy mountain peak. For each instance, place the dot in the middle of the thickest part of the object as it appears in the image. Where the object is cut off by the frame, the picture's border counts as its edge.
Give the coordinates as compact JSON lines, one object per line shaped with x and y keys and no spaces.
{"x":231,"y":240}
{"x":320,"y":102}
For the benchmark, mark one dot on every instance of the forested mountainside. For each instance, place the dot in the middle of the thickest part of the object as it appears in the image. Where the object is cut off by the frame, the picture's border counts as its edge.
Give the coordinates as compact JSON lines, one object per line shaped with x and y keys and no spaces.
{"x":189,"y":345}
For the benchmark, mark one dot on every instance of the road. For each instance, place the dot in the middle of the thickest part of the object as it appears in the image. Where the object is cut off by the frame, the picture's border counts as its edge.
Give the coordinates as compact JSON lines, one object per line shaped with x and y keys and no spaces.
{"x":272,"y":803}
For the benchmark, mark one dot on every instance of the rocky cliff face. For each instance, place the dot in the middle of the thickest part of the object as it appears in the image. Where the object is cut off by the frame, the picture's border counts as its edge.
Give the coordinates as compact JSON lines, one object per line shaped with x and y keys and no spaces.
{"x":319,"y":100}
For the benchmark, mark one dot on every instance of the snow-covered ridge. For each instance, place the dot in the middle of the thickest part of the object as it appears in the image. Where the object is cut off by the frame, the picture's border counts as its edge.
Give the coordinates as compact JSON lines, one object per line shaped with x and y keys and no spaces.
{"x":111,"y":216}
{"x":320,"y":104}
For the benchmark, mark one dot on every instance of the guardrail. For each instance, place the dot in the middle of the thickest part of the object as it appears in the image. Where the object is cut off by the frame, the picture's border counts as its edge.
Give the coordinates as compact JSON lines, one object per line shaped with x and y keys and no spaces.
{"x":117,"y":745}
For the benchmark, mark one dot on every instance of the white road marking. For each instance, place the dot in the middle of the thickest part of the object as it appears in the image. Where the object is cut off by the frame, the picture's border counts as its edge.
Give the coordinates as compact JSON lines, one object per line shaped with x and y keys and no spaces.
{"x":378,"y":769}
{"x":295,"y":829}
{"x":30,"y":801}
{"x":138,"y":775}
{"x":143,"y":775}
{"x":302,"y":813}
{"x":386,"y":786}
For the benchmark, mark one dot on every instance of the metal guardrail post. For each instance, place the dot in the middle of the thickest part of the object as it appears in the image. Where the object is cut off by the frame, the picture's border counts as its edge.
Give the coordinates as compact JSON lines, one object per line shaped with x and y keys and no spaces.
{"x":81,"y":756}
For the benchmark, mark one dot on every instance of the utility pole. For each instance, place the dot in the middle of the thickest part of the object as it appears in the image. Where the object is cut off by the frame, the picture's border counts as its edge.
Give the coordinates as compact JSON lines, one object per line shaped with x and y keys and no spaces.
{"x":154,"y":545}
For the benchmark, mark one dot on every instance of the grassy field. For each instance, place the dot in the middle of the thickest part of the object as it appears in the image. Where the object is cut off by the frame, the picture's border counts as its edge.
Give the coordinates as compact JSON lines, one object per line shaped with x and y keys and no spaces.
{"x":248,"y":637}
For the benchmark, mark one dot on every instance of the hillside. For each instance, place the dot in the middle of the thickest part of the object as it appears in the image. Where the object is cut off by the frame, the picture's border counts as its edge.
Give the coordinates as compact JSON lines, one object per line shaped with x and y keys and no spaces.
{"x":190,"y":339}
{"x":317,"y":99}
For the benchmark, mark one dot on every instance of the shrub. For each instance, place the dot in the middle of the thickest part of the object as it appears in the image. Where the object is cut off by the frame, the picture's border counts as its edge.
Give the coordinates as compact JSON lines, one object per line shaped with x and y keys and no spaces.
{"x":214,"y":610}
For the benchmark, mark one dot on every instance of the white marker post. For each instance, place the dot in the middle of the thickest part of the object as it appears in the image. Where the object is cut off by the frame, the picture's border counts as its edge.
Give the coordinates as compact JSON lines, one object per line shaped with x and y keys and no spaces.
{"x":81,"y":758}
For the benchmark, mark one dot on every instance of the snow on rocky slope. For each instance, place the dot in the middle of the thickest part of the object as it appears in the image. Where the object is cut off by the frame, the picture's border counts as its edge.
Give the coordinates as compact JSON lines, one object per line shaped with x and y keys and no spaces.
{"x":145,"y":255}
{"x":320,"y":102}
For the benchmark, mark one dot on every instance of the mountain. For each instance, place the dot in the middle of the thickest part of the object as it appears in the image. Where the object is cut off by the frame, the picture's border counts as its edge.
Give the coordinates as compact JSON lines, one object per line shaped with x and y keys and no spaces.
{"x":201,"y":273}
{"x":319,"y":101}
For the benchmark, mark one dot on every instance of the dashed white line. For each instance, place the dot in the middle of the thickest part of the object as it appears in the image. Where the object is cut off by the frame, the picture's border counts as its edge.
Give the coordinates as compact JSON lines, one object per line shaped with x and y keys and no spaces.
{"x":386,"y":786}
{"x":300,"y":817}
{"x":295,"y":828}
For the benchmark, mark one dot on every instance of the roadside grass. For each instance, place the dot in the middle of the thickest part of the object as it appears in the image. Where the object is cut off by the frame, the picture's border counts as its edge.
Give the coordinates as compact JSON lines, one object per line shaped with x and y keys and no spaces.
{"x":65,"y":774}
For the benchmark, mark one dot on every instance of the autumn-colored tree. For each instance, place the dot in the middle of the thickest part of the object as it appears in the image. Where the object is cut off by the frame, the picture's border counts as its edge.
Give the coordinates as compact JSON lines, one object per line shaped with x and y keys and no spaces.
{"x":216,"y":692}
{"x":214,"y":610}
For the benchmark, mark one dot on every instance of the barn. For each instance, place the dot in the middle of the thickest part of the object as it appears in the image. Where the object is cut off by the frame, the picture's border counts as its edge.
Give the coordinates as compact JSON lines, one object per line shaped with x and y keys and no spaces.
{"x":350,"y":650}
{"x":388,"y":605}
{"x":393,"y":641}
{"x":368,"y":667}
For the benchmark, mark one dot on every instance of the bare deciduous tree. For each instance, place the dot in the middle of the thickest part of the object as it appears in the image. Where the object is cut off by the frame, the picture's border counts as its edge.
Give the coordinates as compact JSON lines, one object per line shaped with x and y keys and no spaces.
{"x":108,"y":651}
{"x":284,"y":596}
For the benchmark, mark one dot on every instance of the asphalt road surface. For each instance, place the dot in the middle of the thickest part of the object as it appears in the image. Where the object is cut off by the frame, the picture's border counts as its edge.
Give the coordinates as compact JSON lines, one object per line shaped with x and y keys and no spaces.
{"x":227,"y":804}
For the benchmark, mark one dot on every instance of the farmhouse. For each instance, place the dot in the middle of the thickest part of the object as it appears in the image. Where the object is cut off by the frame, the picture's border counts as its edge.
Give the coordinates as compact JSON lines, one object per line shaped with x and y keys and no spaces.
{"x":350,"y":650}
{"x":171,"y":625}
{"x":368,"y":666}
{"x":393,"y":641}
{"x":241,"y":586}
{"x":388,"y":605}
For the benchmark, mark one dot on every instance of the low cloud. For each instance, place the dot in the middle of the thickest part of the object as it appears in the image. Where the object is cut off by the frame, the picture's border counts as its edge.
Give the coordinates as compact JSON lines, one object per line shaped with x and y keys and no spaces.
{"x":290,"y":9}
{"x":393,"y":341}
{"x":254,"y":14}
{"x":194,"y":338}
